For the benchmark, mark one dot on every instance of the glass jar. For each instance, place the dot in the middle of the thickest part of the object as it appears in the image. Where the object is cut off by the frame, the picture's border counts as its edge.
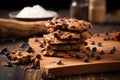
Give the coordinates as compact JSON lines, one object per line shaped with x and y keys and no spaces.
{"x":79,"y":9}
{"x":97,"y":11}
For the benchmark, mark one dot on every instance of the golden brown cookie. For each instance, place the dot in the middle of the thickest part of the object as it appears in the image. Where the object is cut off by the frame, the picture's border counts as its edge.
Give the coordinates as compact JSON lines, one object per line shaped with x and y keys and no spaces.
{"x":71,"y":24}
{"x":60,"y":34}
{"x":51,"y":39}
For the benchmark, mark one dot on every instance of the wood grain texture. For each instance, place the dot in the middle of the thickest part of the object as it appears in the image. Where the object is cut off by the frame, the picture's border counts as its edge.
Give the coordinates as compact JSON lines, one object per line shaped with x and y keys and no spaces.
{"x":28,"y":74}
{"x":20,"y":29}
{"x":72,"y":66}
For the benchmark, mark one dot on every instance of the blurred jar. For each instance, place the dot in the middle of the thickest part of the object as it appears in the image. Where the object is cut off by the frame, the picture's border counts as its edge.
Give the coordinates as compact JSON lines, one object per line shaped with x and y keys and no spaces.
{"x":79,"y":9}
{"x":97,"y":11}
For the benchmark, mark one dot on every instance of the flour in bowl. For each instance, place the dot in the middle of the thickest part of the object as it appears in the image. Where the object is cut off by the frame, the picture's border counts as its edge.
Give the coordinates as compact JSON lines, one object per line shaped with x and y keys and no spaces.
{"x":36,"y":11}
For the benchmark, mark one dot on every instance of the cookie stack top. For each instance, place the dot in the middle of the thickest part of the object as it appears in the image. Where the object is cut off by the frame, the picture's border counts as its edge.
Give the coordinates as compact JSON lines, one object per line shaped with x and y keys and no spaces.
{"x":66,"y":35}
{"x":70,"y":24}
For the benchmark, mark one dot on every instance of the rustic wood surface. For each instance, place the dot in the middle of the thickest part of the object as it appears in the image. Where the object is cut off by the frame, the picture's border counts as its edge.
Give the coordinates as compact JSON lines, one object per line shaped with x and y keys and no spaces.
{"x":72,"y":66}
{"x":24,"y":73}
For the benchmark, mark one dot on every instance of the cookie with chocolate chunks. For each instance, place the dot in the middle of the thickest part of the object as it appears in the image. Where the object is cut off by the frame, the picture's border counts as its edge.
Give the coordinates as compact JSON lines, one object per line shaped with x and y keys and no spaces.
{"x":60,"y":34}
{"x":51,"y":39}
{"x":64,"y":47}
{"x":71,"y":24}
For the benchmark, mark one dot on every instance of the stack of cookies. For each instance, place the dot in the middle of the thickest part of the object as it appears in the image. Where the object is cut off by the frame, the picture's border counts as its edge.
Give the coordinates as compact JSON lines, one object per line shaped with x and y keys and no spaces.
{"x":66,"y":37}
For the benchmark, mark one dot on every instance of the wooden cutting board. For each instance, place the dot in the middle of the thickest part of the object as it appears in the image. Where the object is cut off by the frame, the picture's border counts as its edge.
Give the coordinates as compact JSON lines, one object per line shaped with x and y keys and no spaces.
{"x":73,"y":66}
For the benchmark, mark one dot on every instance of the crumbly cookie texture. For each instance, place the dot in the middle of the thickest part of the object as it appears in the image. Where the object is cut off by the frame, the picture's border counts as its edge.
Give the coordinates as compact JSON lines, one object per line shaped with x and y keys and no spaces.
{"x":51,"y":39}
{"x":24,"y":58}
{"x":70,"y":35}
{"x":66,"y":37}
{"x":71,"y":24}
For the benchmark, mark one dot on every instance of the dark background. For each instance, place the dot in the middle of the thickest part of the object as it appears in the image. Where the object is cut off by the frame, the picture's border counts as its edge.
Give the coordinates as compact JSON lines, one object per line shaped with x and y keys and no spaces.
{"x":50,"y":4}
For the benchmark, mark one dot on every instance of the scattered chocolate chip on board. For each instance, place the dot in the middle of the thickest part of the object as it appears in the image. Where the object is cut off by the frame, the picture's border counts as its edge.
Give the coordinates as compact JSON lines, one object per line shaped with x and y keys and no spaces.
{"x":77,"y":62}
{"x":59,"y":44}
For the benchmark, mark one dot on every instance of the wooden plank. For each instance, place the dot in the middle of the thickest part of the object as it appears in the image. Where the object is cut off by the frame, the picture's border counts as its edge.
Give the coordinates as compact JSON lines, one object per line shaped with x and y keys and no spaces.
{"x":72,"y":66}
{"x":7,"y":73}
{"x":3,"y":72}
{"x":32,"y":74}
{"x":20,"y":73}
{"x":10,"y":73}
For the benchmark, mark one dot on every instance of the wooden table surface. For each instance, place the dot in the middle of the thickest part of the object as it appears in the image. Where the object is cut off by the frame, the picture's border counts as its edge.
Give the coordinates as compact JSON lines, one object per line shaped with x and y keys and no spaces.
{"x":24,"y":73}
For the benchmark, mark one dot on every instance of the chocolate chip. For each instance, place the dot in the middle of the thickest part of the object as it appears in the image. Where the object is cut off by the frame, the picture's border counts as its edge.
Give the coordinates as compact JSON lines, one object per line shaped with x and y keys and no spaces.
{"x":94,"y":49}
{"x":9,"y":57}
{"x":83,"y":25}
{"x":10,"y":64}
{"x":36,"y":39}
{"x":92,"y":42}
{"x":97,"y":34}
{"x":88,"y":48}
{"x":55,"y":34}
{"x":112,"y":39}
{"x":41,"y":45}
{"x":70,"y":36}
{"x":7,"y":53}
{"x":14,"y":58}
{"x":89,"y":26}
{"x":98,"y":57}
{"x":81,"y":35}
{"x":3,"y":50}
{"x":30,"y":50}
{"x":79,"y":56}
{"x":38,"y":56}
{"x":102,"y":52}
{"x":107,"y":33}
{"x":28,"y":57}
{"x":106,"y":38}
{"x":72,"y":27}
{"x":113,"y":48}
{"x":59,"y":62}
{"x":56,"y":22}
{"x":51,"y":23}
{"x":111,"y":52}
{"x":100,"y":44}
{"x":85,"y":43}
{"x":86,"y":59}
{"x":58,"y":33}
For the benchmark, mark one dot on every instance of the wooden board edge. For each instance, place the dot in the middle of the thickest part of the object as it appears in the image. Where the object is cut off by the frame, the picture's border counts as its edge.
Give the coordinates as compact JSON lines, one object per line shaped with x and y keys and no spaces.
{"x":82,"y":69}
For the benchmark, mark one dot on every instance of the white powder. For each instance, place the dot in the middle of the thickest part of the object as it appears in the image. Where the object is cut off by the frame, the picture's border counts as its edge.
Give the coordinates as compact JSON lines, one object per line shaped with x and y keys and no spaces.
{"x":36,"y":11}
